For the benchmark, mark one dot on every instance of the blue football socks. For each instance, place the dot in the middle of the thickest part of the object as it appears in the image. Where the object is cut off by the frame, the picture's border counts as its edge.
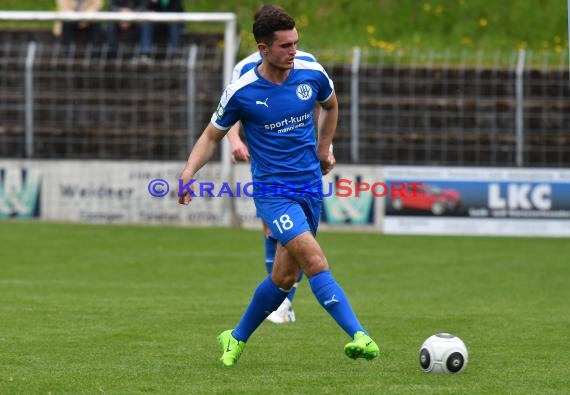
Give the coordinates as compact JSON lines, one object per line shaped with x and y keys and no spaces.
{"x":266,"y":298}
{"x":331,"y":296}
{"x":270,"y":248}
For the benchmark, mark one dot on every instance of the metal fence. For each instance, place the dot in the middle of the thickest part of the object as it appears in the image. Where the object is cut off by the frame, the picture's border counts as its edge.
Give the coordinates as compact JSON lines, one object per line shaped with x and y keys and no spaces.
{"x":80,"y":103}
{"x":475,"y":109}
{"x":57,"y":103}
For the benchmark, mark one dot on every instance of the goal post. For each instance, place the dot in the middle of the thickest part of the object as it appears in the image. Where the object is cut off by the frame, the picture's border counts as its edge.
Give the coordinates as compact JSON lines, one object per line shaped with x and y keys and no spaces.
{"x":227,"y":18}
{"x":230,"y":50}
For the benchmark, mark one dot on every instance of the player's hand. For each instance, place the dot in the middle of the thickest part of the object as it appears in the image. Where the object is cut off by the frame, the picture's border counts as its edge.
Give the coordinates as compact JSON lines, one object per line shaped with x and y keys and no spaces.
{"x":240,"y":153}
{"x":327,"y":163}
{"x":185,"y":198}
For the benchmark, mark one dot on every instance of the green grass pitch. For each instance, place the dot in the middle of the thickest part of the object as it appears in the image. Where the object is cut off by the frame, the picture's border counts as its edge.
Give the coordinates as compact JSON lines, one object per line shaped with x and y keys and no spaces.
{"x":95,"y":309}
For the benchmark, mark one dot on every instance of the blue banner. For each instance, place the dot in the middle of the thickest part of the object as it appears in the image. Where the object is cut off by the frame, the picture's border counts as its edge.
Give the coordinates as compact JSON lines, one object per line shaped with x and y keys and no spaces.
{"x":482,"y":199}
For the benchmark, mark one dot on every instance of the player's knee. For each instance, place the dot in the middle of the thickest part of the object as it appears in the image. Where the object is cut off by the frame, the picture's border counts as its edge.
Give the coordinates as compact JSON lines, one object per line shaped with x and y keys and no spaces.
{"x":284,"y":280}
{"x":315,"y":264}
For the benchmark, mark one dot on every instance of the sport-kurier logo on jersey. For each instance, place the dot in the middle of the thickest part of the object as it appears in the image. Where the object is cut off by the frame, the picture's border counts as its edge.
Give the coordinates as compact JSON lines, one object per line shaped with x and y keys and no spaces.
{"x":304,"y":92}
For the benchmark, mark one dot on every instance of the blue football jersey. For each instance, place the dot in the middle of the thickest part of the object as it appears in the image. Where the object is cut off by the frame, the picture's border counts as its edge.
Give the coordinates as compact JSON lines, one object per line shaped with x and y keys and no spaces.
{"x":278,"y":122}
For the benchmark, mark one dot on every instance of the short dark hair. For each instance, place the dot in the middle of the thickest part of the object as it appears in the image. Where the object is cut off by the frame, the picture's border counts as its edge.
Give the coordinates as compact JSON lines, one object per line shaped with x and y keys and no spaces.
{"x":265,"y":9}
{"x":269,"y":19}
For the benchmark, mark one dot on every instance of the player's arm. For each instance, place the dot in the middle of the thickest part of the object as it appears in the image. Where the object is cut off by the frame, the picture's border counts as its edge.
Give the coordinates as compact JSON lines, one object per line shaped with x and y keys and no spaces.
{"x":201,"y":153}
{"x":239,"y":150}
{"x":328,"y":118}
{"x":316,"y":113}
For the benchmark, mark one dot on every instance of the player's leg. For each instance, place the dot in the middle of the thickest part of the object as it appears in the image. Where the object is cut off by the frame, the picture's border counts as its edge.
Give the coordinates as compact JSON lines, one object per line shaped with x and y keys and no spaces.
{"x":295,"y":223}
{"x":284,"y":313}
{"x":270,"y":249}
{"x":267,"y":296}
{"x":305,"y":250}
{"x":270,"y":244}
{"x":328,"y":292}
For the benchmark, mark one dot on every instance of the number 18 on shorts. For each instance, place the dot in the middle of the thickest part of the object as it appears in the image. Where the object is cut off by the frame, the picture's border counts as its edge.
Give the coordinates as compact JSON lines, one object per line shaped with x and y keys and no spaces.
{"x":289,"y":217}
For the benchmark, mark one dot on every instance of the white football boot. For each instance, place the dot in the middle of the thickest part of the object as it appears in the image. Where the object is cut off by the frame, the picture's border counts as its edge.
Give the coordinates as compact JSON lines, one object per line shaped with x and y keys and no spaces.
{"x":283,"y":314}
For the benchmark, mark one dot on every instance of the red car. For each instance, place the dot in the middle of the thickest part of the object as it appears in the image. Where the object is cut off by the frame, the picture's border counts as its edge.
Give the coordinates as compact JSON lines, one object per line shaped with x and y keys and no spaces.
{"x":428,"y":198}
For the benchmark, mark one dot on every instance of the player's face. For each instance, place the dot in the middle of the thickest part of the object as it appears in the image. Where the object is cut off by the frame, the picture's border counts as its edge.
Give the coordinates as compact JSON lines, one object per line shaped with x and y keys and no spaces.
{"x":282,"y":51}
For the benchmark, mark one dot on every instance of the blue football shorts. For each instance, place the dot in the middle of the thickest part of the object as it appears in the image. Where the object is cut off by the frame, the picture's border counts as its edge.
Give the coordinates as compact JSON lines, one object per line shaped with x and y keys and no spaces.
{"x":289,"y":216}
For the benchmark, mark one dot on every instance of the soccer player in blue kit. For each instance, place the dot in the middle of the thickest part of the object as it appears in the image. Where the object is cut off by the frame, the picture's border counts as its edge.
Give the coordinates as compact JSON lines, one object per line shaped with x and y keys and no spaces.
{"x":274,"y":102}
{"x":239,"y":151}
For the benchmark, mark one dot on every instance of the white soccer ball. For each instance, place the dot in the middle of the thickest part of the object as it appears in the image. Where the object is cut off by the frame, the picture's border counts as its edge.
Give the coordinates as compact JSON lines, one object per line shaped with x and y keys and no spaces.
{"x":443,"y":353}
